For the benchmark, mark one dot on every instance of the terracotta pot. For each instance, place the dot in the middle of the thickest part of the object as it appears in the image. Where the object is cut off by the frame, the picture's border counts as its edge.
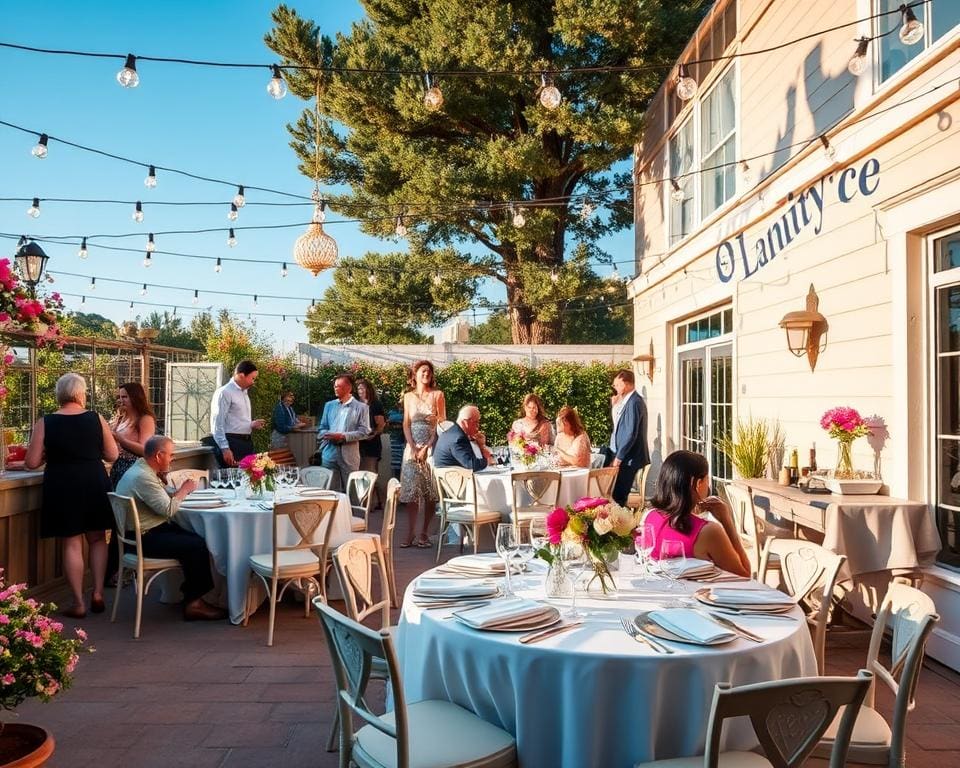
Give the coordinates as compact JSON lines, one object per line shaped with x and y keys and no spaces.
{"x":24,"y":746}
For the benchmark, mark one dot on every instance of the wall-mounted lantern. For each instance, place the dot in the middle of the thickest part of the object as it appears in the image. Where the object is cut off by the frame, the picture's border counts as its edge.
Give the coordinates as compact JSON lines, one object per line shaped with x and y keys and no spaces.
{"x":806,"y":330}
{"x":650,"y":361}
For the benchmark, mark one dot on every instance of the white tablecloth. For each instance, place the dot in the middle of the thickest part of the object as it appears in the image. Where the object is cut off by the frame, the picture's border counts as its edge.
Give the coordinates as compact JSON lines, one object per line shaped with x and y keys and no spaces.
{"x":495,"y":490}
{"x":592,"y":696}
{"x":235,"y":532}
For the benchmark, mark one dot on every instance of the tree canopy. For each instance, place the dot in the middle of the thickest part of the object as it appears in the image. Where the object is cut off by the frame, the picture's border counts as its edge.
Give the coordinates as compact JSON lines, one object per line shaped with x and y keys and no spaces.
{"x":453,"y":172}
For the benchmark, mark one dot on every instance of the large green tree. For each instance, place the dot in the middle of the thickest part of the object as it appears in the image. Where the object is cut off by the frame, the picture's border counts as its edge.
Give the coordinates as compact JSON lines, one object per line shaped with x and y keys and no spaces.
{"x":452,"y":171}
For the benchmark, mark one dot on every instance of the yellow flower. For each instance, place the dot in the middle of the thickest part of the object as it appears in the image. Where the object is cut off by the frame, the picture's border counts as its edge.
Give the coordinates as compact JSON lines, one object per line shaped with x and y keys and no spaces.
{"x":623,"y":520}
{"x":577,"y":525}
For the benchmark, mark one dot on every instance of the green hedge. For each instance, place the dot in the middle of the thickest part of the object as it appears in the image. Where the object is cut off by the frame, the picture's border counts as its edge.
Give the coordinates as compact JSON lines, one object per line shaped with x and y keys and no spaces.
{"x":496,"y":388}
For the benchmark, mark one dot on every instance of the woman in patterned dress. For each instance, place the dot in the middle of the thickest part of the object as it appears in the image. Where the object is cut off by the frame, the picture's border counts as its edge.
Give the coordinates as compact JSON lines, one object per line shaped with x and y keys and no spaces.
{"x":132,"y":425}
{"x":423,"y":408}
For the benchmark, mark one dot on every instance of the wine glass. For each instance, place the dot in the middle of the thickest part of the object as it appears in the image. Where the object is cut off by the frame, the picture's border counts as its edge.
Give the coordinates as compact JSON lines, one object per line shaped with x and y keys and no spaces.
{"x":574,"y":560}
{"x":508,"y":542}
{"x":645,"y":540}
{"x":216,"y":481}
{"x":673,"y":561}
{"x":526,"y":550}
{"x":235,"y":481}
{"x":293,"y":476}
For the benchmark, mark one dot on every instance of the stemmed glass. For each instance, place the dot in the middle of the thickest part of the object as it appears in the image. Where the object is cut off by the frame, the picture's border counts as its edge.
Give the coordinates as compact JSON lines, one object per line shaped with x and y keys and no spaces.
{"x":645,"y":540}
{"x":526,"y":550}
{"x":673,"y":562}
{"x":235,"y":481}
{"x":216,"y":481}
{"x":575,"y":560}
{"x":508,"y":543}
{"x":538,"y":533}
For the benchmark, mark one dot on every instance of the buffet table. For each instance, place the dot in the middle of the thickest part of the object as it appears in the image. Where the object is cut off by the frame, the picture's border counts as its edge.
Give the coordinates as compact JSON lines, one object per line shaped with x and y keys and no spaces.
{"x":592,"y":695}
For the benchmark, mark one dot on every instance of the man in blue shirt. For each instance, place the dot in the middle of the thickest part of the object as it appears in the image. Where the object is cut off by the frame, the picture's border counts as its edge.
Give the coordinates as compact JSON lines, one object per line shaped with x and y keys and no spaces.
{"x":344,"y":423}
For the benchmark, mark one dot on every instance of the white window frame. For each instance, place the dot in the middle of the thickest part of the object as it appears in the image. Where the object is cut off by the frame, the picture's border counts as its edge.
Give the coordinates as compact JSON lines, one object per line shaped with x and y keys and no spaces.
{"x":716,"y":148}
{"x":907,"y":69}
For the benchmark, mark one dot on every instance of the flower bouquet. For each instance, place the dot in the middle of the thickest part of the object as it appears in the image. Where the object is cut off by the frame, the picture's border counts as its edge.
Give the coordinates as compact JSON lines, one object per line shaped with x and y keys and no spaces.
{"x":36,"y":658}
{"x":844,"y":425}
{"x":261,"y":471}
{"x":602,"y":527}
{"x":523,"y":450}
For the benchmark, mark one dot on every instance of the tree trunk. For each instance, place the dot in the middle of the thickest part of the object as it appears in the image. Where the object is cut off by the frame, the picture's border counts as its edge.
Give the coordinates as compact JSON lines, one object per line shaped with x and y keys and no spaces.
{"x":527,"y":329}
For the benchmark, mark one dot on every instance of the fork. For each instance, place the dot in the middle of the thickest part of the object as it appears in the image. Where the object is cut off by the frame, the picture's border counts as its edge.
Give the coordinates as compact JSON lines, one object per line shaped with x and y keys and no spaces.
{"x":637,"y":635}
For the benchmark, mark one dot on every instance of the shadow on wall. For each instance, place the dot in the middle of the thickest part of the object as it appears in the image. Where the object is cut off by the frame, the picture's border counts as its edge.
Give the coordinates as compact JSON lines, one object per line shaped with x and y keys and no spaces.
{"x":877,"y":439}
{"x":656,"y":459}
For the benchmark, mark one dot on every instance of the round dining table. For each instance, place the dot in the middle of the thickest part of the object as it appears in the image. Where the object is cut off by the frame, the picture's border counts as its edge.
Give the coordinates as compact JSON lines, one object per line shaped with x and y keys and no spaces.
{"x":495,"y":488}
{"x":244,"y":527}
{"x":592,"y":695}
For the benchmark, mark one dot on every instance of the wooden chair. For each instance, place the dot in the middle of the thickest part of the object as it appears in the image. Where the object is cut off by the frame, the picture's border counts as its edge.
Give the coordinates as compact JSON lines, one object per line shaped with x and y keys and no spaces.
{"x":316,"y":477}
{"x":910,"y":614}
{"x":283,"y":456}
{"x":809,"y":574}
{"x":600,"y":482}
{"x":457,"y":493}
{"x":360,"y":494}
{"x":127,"y":520}
{"x":303,"y":561}
{"x":178,"y":477}
{"x":788,"y":717}
{"x":745,"y":519}
{"x":386,"y":536}
{"x":535,"y":494}
{"x":432,"y":732}
{"x":637,"y":498}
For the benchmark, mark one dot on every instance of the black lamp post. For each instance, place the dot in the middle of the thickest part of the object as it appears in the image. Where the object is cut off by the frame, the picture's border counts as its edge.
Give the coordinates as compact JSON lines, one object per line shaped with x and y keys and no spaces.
{"x":31,"y":261}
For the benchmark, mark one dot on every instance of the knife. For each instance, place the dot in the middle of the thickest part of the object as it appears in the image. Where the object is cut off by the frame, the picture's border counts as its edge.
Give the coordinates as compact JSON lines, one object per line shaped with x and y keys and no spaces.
{"x":535,"y":637}
{"x":745,"y":633}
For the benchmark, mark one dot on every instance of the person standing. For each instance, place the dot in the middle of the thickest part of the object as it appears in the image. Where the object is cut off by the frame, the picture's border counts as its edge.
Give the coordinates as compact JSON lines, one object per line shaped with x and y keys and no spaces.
{"x":285,"y":420}
{"x":371,"y":449}
{"x":423,"y":408}
{"x":230,"y":422}
{"x":74,"y":443}
{"x":345,"y":422}
{"x":628,"y":443}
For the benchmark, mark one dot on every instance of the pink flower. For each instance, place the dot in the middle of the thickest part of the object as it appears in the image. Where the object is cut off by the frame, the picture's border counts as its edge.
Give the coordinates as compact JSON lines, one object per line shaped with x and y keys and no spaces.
{"x":81,"y":634}
{"x":4,"y":619}
{"x":8,"y":679}
{"x":8,"y":359}
{"x":586,"y":503}
{"x":530,"y":450}
{"x":556,"y":524}
{"x":247,"y":461}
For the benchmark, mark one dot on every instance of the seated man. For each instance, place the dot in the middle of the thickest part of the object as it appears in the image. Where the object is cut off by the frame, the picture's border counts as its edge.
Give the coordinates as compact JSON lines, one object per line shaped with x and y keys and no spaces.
{"x":463,"y":445}
{"x":161,"y":536}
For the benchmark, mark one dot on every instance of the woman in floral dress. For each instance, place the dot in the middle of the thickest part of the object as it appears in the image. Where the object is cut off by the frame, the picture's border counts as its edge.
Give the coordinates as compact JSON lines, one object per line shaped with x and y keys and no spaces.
{"x":423,"y":408}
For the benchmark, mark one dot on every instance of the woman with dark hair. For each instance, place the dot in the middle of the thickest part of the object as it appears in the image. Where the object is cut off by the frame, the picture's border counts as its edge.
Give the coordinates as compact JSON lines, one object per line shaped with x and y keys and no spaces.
{"x":423,"y":408}
{"x":680,"y":498}
{"x":371,"y":449}
{"x":573,"y":443}
{"x":132,"y":425}
{"x":533,"y":422}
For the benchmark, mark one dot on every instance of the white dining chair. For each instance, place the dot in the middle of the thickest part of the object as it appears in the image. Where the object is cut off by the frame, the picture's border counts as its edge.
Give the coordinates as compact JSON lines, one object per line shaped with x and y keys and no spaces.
{"x":457,"y":505}
{"x":535,"y":494}
{"x":600,"y":482}
{"x":178,"y":477}
{"x":360,"y":486}
{"x":316,"y":477}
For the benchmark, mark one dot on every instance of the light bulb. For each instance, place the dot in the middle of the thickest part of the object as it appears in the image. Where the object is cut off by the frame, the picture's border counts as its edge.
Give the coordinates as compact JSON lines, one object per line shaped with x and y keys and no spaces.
{"x":379,"y":320}
{"x":746,"y":173}
{"x":284,"y":318}
{"x":238,"y":199}
{"x":586,"y":210}
{"x":828,"y":148}
{"x":196,"y":297}
{"x":151,"y":246}
{"x":128,"y":77}
{"x":131,"y":307}
{"x":372,"y":279}
{"x":283,"y":270}
{"x":34,"y":210}
{"x":82,"y":253}
{"x":437,"y":278}
{"x":254,"y":301}
{"x":677,"y":194}
{"x":550,"y":97}
{"x":554,"y":276}
{"x":518,"y":218}
{"x":401,"y":229}
{"x":911,"y":30}
{"x":148,"y":260}
{"x":151,"y":181}
{"x":858,"y":62}
{"x":232,"y":213}
{"x":83,"y":299}
{"x":231,"y":238}
{"x":433,"y":96}
{"x":276,"y":87}
{"x":40,"y":150}
{"x":219,"y":266}
{"x":138,"y":212}
{"x":143,"y":291}
{"x":349,"y":276}
{"x":615,"y":275}
{"x":686,"y":85}
{"x":93,"y":283}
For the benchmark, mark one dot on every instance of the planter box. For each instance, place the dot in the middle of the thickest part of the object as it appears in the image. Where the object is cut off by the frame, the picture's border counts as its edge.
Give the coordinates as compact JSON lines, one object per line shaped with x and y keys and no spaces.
{"x":847,"y":487}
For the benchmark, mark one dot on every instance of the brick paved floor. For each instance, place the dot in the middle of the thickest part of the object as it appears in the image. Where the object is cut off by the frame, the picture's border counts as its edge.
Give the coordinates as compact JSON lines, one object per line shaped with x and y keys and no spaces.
{"x":212,"y":694}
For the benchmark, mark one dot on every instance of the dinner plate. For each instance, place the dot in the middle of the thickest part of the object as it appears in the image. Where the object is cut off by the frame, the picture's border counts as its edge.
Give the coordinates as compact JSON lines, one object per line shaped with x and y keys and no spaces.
{"x":203,"y":504}
{"x":541,"y":622}
{"x":317,"y":493}
{"x":705,"y":597}
{"x":648,"y":625}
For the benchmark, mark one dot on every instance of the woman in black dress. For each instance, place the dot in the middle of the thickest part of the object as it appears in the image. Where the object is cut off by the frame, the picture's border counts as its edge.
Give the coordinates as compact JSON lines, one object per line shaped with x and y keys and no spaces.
{"x":371,"y":448}
{"x":74,"y":443}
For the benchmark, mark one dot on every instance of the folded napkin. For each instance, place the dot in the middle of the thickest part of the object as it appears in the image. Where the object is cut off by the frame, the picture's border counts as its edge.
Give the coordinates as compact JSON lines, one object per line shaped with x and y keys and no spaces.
{"x":753,"y":597}
{"x":486,"y":563}
{"x":512,"y":613}
{"x":205,"y":494}
{"x":316,"y":492}
{"x":691,"y":625}
{"x":692,"y":567}
{"x":202,"y":503}
{"x":452,"y":588}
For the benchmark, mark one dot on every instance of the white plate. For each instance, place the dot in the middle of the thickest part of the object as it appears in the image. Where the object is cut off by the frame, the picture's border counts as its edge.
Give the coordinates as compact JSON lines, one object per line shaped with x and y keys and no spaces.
{"x":203,"y":504}
{"x":317,"y":493}
{"x":542,"y":622}
{"x":648,"y":625}
{"x":705,"y":597}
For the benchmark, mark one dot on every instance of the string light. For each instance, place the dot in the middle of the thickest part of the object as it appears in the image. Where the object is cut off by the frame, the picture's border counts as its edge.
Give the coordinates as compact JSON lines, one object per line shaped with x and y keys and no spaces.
{"x":615,"y":275}
{"x":828,"y":148}
{"x":232,"y":213}
{"x":128,"y":77}
{"x":82,"y":253}
{"x":40,"y":150}
{"x":554,"y":276}
{"x":254,"y":301}
{"x":148,"y":260}
{"x":34,"y":210}
{"x":400,"y":229}
{"x":93,"y":283}
{"x":131,"y":307}
{"x":143,"y":291}
{"x":284,"y":318}
{"x":238,"y":199}
{"x":550,"y":97}
{"x":911,"y":30}
{"x":276,"y":87}
{"x":231,"y":238}
{"x":518,"y":218}
{"x":151,"y":245}
{"x":138,"y":212}
{"x":686,"y":85}
{"x":83,"y":299}
{"x":437,"y":278}
{"x":371,"y":278}
{"x":586,"y":209}
{"x":349,"y":275}
{"x":219,"y":266}
{"x":677,"y":194}
{"x":858,"y":62}
{"x":433,"y":96}
{"x":283,"y":270}
{"x":746,"y":173}
{"x":196,"y":297}
{"x":151,"y":181}
{"x":379,"y":319}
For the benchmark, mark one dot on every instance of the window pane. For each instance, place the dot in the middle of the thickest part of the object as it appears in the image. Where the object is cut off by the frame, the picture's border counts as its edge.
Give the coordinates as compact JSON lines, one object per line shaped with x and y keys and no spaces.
{"x":894,"y":55}
{"x":728,"y":321}
{"x":947,"y":253}
{"x":948,"y":374}
{"x":948,"y":319}
{"x":681,"y":162}
{"x":945,"y":17}
{"x":717,"y":144}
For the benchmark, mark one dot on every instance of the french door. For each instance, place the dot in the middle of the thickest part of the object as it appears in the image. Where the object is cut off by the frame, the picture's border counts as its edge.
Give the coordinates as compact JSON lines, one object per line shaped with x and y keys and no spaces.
{"x":706,"y":403}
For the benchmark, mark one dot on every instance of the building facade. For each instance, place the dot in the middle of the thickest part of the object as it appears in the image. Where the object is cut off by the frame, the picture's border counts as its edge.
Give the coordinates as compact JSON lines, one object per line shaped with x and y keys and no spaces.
{"x":787,"y":178}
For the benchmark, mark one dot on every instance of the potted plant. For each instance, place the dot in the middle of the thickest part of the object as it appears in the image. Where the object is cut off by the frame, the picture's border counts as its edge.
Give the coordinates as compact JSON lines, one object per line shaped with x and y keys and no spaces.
{"x":37,"y":658}
{"x":748,"y":448}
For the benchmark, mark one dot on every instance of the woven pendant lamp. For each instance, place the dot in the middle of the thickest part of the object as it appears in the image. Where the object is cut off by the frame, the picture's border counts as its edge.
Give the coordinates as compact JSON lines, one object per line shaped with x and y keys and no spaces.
{"x":315,"y":250}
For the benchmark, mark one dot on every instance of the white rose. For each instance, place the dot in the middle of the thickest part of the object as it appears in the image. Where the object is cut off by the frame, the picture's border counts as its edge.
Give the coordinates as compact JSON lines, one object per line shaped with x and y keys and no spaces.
{"x":603,"y":525}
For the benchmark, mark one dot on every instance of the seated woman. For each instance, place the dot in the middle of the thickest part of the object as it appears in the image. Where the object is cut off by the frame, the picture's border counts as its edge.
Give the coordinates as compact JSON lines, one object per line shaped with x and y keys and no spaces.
{"x":573,"y":444}
{"x":681,"y":494}
{"x":533,"y":422}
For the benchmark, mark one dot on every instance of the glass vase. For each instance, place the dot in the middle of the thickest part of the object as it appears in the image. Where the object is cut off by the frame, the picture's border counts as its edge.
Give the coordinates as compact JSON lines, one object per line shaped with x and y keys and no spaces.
{"x":557,"y":583}
{"x":601,"y":583}
{"x":844,"y":468}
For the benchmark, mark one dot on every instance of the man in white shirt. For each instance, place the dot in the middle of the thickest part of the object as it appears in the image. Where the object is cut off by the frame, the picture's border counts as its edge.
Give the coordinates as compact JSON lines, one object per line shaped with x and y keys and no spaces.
{"x":344,"y":423}
{"x":230,"y":422}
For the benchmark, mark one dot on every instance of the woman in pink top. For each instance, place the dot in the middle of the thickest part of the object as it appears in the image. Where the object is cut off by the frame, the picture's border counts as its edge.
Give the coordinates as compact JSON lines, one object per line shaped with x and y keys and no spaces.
{"x":681,"y":493}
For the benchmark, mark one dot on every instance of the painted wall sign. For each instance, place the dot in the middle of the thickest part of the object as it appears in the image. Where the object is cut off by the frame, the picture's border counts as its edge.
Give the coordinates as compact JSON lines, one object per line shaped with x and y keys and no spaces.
{"x":804,"y":210}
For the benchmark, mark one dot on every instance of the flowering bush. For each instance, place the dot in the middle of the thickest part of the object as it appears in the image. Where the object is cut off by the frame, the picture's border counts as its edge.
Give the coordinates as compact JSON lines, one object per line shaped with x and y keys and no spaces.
{"x":522,"y":448}
{"x":602,"y":527}
{"x":260,"y":470}
{"x":36,"y":659}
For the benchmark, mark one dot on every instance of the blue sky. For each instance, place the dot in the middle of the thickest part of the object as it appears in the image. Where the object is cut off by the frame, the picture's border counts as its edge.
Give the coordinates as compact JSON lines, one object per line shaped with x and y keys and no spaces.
{"x":213,"y":122}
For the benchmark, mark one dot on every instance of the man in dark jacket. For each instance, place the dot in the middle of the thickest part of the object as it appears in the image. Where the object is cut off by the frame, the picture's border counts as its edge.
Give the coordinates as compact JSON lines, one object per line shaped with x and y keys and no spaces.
{"x":463,"y":444}
{"x":628,"y":443}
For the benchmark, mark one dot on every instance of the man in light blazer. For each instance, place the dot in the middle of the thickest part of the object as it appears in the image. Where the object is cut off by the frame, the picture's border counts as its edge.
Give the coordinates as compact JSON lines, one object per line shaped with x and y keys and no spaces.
{"x":628,"y":444}
{"x":345,"y":422}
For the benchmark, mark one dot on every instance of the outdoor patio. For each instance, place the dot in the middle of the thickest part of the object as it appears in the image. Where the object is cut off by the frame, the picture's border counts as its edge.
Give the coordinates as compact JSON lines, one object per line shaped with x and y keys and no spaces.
{"x":214,"y":695}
